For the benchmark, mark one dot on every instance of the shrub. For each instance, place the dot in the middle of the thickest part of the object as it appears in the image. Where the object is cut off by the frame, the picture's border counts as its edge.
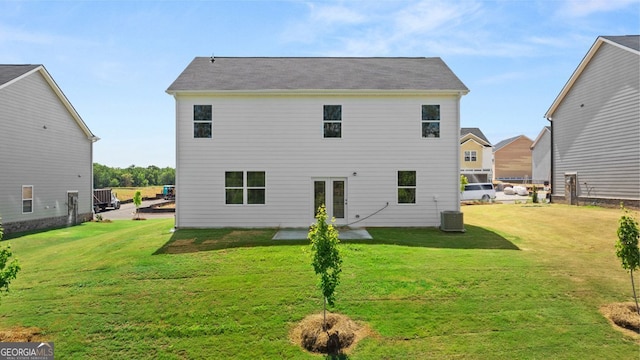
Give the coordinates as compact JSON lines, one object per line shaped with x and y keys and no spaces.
{"x":326,"y":257}
{"x":627,"y":247}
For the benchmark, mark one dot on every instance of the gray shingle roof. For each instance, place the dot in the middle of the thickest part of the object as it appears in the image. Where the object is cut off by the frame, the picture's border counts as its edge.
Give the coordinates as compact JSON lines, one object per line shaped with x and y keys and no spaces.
{"x":324,"y":73}
{"x":10,"y":72}
{"x":630,"y":41}
{"x":475,"y":131}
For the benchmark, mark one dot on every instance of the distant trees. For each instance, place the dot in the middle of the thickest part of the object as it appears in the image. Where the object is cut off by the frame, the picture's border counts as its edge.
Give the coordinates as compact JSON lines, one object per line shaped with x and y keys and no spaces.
{"x":133,"y":176}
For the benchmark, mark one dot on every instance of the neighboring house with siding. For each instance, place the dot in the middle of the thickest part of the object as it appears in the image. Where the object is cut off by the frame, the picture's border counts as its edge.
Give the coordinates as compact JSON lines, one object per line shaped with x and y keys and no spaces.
{"x":476,"y":156}
{"x":541,"y":157}
{"x":262,"y":142}
{"x":512,"y":159}
{"x":595,"y":122}
{"x":45,"y":153}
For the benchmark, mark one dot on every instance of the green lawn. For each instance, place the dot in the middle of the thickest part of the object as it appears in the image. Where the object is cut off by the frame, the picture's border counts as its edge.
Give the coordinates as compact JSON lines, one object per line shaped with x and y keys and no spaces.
{"x":524,"y":282}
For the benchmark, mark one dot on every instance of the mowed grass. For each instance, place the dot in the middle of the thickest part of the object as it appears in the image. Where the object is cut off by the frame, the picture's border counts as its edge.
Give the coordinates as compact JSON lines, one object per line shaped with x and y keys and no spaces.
{"x":524,"y":282}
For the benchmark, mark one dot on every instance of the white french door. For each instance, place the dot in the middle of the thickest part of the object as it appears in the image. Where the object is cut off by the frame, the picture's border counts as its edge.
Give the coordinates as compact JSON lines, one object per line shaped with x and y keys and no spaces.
{"x":332,"y":192}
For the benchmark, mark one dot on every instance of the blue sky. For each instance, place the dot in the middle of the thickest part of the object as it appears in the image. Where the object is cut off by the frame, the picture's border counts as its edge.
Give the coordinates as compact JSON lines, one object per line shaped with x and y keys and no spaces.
{"x":115,"y":59}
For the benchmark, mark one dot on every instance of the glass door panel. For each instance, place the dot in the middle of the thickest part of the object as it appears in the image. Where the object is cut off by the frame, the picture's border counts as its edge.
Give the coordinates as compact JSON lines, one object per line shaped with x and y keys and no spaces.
{"x":319,"y":195}
{"x":338,"y":199}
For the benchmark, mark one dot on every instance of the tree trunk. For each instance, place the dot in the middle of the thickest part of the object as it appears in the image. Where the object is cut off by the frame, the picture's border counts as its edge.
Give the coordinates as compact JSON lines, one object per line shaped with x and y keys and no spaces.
{"x":635,"y":297}
{"x":324,"y":314}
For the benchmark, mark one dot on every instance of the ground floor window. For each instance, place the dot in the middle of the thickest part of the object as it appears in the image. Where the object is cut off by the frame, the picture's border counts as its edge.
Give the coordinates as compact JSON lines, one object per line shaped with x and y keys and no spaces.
{"x":406,"y":187}
{"x":27,"y":199}
{"x":245,"y":187}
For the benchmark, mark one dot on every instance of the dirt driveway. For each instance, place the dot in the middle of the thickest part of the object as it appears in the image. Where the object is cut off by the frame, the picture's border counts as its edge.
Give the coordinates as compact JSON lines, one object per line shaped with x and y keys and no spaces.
{"x":127,"y":211}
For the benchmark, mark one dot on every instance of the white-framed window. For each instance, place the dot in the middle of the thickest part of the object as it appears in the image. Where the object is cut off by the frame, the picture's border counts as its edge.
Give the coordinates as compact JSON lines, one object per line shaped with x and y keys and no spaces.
{"x":430,"y":121}
{"x":406,"y":187}
{"x":27,"y":199}
{"x":256,"y":187}
{"x":245,"y":187}
{"x":470,"y":155}
{"x":202,"y":121}
{"x":332,"y":121}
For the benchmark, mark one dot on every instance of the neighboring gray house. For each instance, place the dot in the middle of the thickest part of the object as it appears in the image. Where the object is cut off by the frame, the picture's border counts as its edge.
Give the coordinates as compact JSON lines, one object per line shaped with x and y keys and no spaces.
{"x":595,"y":124}
{"x":541,"y":157}
{"x":262,"y":142}
{"x":45,"y":153}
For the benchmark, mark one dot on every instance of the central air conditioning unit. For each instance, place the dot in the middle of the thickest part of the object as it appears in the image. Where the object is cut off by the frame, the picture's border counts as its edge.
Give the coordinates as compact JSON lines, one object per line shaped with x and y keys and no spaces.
{"x":451,"y":221}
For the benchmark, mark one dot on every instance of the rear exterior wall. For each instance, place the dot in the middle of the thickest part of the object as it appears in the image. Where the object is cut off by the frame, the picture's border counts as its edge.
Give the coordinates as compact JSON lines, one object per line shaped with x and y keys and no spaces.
{"x":283,"y":136}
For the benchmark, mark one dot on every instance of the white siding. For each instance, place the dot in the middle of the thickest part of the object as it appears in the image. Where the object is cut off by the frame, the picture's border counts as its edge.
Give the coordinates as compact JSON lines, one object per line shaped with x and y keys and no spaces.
{"x":282,"y":135}
{"x":541,"y":158}
{"x":597,"y":127}
{"x":41,"y":145}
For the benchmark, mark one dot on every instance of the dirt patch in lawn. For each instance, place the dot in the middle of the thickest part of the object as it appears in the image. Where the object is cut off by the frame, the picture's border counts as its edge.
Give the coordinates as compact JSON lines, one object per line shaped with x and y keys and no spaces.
{"x":21,"y":334}
{"x":234,"y":238}
{"x":624,"y":317}
{"x":341,"y":335}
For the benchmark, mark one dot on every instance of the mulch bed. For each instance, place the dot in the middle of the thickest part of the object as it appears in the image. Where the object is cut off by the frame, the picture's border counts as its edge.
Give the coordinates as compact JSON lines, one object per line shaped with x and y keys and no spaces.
{"x":624,"y":316}
{"x":21,"y":334}
{"x":341,"y":336}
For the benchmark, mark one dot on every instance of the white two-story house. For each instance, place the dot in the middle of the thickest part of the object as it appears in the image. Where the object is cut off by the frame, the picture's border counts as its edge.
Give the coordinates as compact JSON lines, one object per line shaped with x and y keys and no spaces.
{"x":262,"y":142}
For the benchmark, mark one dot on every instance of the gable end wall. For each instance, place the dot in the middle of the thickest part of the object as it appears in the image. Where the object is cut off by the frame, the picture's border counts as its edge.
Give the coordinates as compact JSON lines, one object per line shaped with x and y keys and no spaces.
{"x":597,"y":127}
{"x":41,"y":145}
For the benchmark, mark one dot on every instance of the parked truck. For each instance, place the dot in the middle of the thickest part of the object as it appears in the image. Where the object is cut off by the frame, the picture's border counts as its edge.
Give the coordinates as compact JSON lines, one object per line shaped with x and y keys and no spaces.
{"x":104,"y":198}
{"x":169,"y":192}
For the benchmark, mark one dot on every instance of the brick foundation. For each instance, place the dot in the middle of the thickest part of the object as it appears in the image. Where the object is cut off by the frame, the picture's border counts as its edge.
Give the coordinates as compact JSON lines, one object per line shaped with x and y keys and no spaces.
{"x":608,"y":203}
{"x":42,"y":224}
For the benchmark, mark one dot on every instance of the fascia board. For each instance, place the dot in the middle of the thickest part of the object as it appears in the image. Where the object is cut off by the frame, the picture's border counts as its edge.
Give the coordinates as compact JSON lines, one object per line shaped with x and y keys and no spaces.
{"x":316,"y":92}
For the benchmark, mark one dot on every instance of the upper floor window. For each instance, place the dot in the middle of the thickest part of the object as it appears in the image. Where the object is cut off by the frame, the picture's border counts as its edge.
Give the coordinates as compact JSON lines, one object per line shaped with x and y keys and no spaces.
{"x":470,"y":155}
{"x":406,"y":187}
{"x":430,"y":121}
{"x":245,"y":187}
{"x":202,"y":121}
{"x":332,"y":121}
{"x":27,"y":199}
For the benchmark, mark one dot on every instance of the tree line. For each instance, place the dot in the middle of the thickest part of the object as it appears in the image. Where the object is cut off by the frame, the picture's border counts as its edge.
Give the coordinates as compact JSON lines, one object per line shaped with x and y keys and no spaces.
{"x":133,"y":176}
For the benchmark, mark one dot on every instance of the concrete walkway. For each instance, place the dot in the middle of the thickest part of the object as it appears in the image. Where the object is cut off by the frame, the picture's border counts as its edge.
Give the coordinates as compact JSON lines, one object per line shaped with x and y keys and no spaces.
{"x":301,"y":234}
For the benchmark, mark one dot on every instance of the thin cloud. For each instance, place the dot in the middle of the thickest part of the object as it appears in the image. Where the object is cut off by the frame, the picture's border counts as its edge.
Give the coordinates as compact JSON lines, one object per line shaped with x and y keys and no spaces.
{"x":431,"y":16}
{"x":582,"y":8}
{"x":423,"y":27}
{"x":335,"y":15}
{"x":508,"y":77}
{"x":10,"y":35}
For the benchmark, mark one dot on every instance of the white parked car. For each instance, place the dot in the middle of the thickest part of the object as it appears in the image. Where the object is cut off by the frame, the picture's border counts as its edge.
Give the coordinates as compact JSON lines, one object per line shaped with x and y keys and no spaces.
{"x":479,"y":191}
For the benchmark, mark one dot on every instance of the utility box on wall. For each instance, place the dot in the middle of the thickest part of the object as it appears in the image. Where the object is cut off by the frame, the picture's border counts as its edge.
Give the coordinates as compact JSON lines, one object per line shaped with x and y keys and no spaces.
{"x":451,"y":221}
